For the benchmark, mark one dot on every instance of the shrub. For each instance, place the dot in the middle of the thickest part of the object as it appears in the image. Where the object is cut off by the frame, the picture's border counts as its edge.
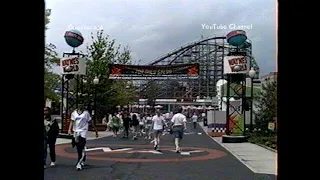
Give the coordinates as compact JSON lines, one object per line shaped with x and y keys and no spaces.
{"x":270,"y":141}
{"x":267,"y":106}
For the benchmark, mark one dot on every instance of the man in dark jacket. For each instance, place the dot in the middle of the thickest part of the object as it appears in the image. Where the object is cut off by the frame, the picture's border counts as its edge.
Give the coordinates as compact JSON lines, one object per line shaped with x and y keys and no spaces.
{"x":51,"y":133}
{"x":135,"y":124}
{"x":126,"y":124}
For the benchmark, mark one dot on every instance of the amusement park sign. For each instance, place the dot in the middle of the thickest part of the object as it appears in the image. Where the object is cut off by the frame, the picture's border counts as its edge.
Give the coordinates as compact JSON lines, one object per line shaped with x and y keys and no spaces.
{"x":73,"y":65}
{"x":119,"y":71}
{"x":235,"y":64}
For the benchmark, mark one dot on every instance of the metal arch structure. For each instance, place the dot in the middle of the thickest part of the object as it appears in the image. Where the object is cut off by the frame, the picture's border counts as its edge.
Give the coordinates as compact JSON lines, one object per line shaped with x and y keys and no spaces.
{"x":209,"y":53}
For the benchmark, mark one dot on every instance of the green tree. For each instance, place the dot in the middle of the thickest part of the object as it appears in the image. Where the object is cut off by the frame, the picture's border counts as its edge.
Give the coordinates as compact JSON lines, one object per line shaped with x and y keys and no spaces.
{"x":151,"y":92}
{"x":50,"y":82}
{"x":267,"y":105}
{"x":50,"y":57}
{"x":102,"y":52}
{"x":47,"y":14}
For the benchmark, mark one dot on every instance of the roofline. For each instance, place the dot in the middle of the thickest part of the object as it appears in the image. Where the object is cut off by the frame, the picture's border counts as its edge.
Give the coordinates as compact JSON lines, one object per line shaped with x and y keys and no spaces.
{"x":270,"y":74}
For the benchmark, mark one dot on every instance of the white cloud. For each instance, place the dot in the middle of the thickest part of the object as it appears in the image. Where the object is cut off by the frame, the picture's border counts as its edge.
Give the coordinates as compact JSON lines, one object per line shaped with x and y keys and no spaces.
{"x":152,"y":28}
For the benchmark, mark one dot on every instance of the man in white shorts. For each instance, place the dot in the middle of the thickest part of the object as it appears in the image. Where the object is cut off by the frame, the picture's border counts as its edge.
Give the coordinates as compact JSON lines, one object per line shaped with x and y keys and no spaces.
{"x":157,"y":126}
{"x":80,"y":120}
{"x":178,"y":126}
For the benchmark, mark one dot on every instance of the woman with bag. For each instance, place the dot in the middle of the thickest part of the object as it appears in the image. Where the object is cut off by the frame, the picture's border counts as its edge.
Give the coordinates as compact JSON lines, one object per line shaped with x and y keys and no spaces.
{"x":51,"y":129}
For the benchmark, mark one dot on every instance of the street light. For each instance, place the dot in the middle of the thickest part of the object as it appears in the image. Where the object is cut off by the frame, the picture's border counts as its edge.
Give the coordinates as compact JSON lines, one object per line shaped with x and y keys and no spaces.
{"x":83,"y":89}
{"x":252,"y":75}
{"x":95,"y":82}
{"x":68,"y":69}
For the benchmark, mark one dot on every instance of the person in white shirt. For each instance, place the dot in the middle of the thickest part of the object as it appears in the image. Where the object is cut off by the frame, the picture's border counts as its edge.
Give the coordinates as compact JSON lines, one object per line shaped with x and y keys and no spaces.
{"x":178,"y":126}
{"x":141,"y":125}
{"x":194,"y":120}
{"x":158,"y":123}
{"x":119,"y":115}
{"x":167,"y":115}
{"x":80,"y":120}
{"x":148,"y":125}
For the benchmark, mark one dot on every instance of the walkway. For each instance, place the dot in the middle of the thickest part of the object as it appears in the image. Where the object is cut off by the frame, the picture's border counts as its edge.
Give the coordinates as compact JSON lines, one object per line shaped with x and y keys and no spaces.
{"x":255,"y":157}
{"x":111,"y":158}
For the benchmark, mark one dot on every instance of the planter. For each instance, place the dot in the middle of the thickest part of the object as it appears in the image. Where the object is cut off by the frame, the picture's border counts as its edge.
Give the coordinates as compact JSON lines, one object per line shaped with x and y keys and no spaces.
{"x":234,"y":139}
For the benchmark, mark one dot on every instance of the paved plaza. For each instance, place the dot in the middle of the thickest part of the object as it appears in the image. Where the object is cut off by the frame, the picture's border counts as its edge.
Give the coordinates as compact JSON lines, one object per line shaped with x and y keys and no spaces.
{"x":111,"y":158}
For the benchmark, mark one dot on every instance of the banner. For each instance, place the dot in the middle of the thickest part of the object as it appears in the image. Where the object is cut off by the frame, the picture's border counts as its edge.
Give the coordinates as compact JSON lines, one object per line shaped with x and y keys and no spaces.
{"x":177,"y":71}
{"x":235,"y":64}
{"x":73,"y":65}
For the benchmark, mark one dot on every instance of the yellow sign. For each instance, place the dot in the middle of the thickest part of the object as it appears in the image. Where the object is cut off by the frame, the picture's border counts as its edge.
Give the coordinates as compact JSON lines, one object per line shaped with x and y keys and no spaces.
{"x":238,"y":90}
{"x":271,"y":126}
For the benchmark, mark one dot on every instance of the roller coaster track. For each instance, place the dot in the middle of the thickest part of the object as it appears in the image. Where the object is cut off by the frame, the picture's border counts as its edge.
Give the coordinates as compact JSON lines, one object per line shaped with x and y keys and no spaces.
{"x":186,"y":50}
{"x":180,"y":51}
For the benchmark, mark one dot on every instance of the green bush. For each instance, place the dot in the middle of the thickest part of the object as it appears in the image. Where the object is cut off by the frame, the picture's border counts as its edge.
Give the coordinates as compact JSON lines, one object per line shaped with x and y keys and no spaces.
{"x":270,"y":141}
{"x":267,"y":106}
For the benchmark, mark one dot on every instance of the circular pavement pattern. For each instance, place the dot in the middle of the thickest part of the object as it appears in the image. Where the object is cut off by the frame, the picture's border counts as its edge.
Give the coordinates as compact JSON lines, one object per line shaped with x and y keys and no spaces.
{"x":62,"y":150}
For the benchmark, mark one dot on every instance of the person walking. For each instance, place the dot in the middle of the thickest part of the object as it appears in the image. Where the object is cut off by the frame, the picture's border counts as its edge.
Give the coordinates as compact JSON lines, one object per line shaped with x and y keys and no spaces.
{"x":141,"y":125}
{"x":194,"y":120}
{"x":114,"y":124}
{"x":126,"y":124}
{"x":119,"y":115}
{"x":135,"y":124}
{"x":158,"y":123}
{"x":51,"y":129}
{"x":147,"y":126}
{"x":105,"y":120}
{"x":80,"y":120}
{"x":178,"y":126}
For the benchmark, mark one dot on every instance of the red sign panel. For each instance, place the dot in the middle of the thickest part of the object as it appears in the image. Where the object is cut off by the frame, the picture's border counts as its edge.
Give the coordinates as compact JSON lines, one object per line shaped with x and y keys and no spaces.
{"x":119,"y":71}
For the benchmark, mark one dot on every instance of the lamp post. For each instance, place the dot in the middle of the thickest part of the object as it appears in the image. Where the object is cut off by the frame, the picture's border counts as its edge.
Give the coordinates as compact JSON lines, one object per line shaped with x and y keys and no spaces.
{"x":83,"y":89}
{"x":252,"y":75}
{"x":95,"y":82}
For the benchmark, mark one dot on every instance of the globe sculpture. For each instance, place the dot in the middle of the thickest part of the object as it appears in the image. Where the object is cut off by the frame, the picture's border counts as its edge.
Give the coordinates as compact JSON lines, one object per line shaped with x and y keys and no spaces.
{"x":245,"y":45}
{"x":73,"y":38}
{"x":236,"y":38}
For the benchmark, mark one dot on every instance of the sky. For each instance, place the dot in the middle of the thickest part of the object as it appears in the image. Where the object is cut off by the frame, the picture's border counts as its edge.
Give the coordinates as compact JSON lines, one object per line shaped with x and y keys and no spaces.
{"x":152,"y":28}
